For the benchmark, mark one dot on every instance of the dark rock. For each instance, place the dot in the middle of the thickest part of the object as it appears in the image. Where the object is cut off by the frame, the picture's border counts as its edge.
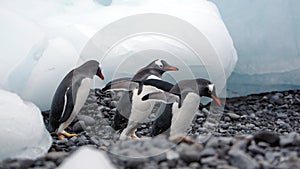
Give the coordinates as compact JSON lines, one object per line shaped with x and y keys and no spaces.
{"x":79,"y":127}
{"x":190,"y":156}
{"x":61,"y":142}
{"x":239,"y":159}
{"x":113,"y":104}
{"x":276,"y":99}
{"x":26,"y":163}
{"x":268,"y":137}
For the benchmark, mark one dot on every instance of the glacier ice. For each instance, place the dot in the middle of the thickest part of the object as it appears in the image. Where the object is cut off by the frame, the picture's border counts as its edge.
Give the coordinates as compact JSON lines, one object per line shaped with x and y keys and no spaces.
{"x":50,"y":41}
{"x":266,"y":36}
{"x":86,"y":157}
{"x":23,"y":133}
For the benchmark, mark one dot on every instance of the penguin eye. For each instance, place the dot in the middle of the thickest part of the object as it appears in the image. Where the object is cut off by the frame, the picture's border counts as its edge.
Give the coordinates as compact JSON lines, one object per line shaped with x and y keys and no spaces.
{"x":160,"y":66}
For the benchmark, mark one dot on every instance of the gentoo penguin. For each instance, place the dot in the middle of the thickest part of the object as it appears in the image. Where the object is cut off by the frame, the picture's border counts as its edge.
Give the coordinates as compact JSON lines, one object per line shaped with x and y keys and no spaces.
{"x":70,"y":96}
{"x":135,"y":86}
{"x":141,"y":109}
{"x":183,"y":102}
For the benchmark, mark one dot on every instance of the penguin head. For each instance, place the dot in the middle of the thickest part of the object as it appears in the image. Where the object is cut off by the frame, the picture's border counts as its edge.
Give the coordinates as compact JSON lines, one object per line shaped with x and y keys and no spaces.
{"x":91,"y":68}
{"x":207,"y":88}
{"x":161,"y":66}
{"x":154,"y":70}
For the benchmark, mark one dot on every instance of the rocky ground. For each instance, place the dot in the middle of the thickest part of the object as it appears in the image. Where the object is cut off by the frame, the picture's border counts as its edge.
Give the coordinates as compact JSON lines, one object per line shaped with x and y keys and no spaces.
{"x":256,"y":131}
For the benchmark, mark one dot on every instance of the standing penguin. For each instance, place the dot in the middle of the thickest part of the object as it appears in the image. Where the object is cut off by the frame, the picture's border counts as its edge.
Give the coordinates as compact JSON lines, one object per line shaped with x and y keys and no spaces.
{"x":146,"y":80}
{"x":183,"y":99}
{"x":70,"y":96}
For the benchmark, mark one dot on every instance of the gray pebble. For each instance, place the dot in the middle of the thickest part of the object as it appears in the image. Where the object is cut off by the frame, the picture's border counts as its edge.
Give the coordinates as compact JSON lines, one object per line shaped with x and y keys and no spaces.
{"x":88,"y":121}
{"x":256,"y":150}
{"x":208,"y":152}
{"x":239,"y":159}
{"x":56,"y":155}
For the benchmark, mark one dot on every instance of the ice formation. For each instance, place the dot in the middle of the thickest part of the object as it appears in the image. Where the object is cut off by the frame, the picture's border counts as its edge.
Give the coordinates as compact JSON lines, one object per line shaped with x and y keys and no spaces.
{"x":23,"y":133}
{"x":86,"y":157}
{"x":41,"y":45}
{"x":266,"y":35}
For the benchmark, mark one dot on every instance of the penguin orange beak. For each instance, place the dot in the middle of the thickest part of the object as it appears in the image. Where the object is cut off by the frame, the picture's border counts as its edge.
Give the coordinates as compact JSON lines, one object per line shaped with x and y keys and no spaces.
{"x":171,"y":68}
{"x":216,"y":100}
{"x":101,"y":76}
{"x":99,"y":73}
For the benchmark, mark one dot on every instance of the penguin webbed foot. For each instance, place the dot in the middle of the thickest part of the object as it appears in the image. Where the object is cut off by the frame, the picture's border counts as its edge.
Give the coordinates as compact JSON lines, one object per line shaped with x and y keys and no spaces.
{"x":61,"y":135}
{"x":134,"y":136}
{"x":182,"y":138}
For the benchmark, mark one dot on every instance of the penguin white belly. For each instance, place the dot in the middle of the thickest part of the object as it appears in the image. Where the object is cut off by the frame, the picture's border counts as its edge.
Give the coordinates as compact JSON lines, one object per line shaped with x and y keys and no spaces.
{"x":141,"y":109}
{"x":183,"y":116}
{"x":81,"y":96}
{"x":153,"y":77}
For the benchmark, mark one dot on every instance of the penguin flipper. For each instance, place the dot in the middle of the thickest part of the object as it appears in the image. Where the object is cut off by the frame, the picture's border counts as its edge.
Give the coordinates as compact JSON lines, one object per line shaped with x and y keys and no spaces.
{"x":69,"y":105}
{"x":164,"y":97}
{"x":122,"y":85}
{"x":160,"y":84}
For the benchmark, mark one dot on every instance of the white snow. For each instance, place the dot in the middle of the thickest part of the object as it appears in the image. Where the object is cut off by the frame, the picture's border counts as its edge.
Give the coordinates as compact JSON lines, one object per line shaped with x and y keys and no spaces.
{"x":23,"y":133}
{"x":41,"y":45}
{"x":86,"y":157}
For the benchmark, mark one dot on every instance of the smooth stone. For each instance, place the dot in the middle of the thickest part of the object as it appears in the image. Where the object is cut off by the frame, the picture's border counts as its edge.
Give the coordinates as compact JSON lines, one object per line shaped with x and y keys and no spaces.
{"x":79,"y":127}
{"x":194,"y":165}
{"x":211,"y":161}
{"x":233,"y":116}
{"x":56,"y":155}
{"x":255,"y":149}
{"x":208,"y":152}
{"x":190,"y":156}
{"x":50,"y":164}
{"x":239,"y":159}
{"x":88,"y":121}
{"x":172,"y":155}
{"x":61,"y":142}
{"x":271,"y":156}
{"x":268,"y":137}
{"x":288,"y":140}
{"x":263,"y":144}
